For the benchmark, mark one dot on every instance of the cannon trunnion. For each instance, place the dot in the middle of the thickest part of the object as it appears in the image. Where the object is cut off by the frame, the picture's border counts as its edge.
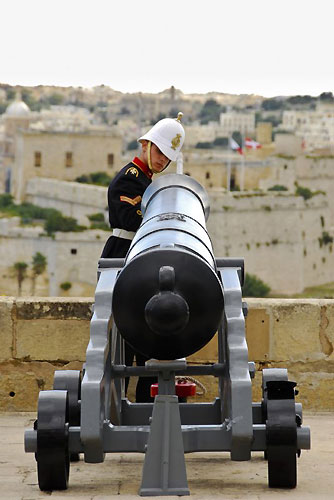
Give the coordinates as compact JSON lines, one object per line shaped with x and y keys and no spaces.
{"x":167,"y":299}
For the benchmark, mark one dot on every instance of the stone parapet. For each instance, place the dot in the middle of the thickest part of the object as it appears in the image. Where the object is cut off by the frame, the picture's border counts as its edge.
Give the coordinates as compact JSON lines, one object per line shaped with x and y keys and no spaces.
{"x":40,"y":335}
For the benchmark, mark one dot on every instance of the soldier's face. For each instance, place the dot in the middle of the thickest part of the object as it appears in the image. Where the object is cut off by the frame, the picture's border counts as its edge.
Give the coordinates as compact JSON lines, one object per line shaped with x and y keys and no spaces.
{"x":158,"y":160}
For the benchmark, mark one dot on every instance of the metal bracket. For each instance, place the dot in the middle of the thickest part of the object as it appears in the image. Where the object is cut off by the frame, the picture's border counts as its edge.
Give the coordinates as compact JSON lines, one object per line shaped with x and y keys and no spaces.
{"x":164,"y":471}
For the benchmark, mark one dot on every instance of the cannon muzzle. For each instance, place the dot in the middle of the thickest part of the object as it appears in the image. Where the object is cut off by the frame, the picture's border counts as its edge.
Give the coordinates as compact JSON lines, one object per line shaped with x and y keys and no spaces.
{"x":167,"y":300}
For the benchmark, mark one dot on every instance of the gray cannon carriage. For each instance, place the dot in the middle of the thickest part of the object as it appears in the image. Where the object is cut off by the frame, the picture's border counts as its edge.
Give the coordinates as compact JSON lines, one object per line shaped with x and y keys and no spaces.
{"x":167,"y":299}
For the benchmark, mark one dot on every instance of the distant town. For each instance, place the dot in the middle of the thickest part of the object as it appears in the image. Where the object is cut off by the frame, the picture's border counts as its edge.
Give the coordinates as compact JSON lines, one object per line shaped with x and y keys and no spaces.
{"x":267,"y":163}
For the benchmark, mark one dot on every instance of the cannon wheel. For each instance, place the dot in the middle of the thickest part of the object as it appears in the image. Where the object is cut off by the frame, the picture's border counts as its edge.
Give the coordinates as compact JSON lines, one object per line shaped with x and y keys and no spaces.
{"x":70,"y":381}
{"x":268,"y":375}
{"x":52,"y":456}
{"x":281,"y":431}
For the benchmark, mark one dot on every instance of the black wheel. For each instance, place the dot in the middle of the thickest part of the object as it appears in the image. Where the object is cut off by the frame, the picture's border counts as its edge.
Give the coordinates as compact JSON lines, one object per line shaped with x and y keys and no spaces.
{"x":281,"y":434}
{"x":269,"y":375}
{"x":70,"y":381}
{"x":52,"y":456}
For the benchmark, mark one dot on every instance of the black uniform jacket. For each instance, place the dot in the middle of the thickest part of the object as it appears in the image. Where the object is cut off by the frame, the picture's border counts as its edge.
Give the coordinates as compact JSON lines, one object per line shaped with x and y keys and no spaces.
{"x":124,"y":198}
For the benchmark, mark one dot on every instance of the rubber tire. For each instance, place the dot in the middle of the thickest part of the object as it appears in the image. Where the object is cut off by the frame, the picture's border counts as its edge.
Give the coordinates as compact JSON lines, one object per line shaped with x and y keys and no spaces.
{"x":70,"y":381}
{"x":52,"y":456}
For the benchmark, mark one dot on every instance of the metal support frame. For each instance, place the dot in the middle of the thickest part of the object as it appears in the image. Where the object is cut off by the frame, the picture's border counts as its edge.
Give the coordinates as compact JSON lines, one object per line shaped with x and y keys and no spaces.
{"x":166,"y":429}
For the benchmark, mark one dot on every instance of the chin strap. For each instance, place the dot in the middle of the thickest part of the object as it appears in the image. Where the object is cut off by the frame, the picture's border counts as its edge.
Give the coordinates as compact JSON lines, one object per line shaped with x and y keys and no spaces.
{"x":149,"y":162}
{"x":149,"y":156}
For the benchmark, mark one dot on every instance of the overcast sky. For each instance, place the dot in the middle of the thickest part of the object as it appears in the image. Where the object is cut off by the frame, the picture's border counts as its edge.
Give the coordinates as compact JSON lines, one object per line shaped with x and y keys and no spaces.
{"x":265,"y":47}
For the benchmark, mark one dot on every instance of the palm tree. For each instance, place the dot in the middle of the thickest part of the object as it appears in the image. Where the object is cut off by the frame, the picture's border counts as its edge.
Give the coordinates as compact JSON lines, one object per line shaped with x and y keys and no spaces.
{"x":21,"y":273}
{"x":38,"y":267}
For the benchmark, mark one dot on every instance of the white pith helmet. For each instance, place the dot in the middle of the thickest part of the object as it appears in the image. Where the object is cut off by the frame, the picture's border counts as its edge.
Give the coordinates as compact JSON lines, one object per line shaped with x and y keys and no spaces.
{"x":168,"y":135}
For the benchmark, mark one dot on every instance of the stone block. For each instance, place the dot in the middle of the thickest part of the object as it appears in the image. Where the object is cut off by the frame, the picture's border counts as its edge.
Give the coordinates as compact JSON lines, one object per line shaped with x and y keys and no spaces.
{"x":297,"y":328}
{"x":52,"y":339}
{"x":208,"y":353}
{"x":211,"y":387}
{"x":257,"y":333}
{"x":21,"y":382}
{"x":54,"y":308}
{"x":7,"y":320}
{"x":315,"y":390}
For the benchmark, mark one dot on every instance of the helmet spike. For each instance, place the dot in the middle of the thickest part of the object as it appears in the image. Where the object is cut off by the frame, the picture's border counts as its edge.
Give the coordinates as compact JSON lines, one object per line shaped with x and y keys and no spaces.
{"x":179,"y":116}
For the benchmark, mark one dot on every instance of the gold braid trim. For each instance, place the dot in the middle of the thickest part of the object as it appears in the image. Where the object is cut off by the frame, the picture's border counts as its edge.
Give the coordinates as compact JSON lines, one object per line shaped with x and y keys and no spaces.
{"x":132,"y":201}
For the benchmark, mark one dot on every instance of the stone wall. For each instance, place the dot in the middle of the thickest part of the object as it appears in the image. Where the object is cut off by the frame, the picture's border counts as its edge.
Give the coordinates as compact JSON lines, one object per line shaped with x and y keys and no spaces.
{"x":40,"y":335}
{"x":73,"y":199}
{"x":71,"y":257}
{"x":279,"y":235}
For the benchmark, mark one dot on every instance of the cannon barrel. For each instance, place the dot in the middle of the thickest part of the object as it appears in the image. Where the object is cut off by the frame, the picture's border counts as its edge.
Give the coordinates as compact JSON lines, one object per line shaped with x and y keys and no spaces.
{"x":167,"y":300}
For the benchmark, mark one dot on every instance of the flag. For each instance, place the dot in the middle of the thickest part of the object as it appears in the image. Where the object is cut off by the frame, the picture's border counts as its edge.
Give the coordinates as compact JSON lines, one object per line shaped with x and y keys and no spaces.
{"x":251,"y":144}
{"x":235,"y":146}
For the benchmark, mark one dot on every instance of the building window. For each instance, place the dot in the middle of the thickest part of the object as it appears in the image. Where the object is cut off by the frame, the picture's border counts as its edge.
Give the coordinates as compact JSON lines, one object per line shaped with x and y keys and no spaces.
{"x":73,"y":251}
{"x":207,"y":175}
{"x":68,"y":159}
{"x":110,"y":159}
{"x":38,"y":159}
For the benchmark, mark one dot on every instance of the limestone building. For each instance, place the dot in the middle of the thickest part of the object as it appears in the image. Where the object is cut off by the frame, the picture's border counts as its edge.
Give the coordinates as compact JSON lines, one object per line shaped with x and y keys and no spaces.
{"x":17,"y":117}
{"x":63,"y":156}
{"x":241,"y":122}
{"x":316,"y":128}
{"x":264,"y":133}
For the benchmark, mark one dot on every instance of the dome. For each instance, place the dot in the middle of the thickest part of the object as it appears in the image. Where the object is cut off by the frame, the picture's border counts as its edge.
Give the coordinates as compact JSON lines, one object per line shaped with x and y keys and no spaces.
{"x":18,"y":109}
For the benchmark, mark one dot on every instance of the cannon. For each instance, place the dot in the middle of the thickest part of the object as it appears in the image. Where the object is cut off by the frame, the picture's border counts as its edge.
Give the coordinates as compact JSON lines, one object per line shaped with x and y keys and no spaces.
{"x":168,"y":298}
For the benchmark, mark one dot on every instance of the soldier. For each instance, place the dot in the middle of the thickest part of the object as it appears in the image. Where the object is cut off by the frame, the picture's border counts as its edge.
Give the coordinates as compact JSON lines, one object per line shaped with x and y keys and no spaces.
{"x":159,"y":146}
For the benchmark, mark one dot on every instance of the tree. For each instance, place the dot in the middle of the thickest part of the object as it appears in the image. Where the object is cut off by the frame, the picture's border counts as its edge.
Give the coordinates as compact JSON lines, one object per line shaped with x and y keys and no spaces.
{"x":132,"y":145}
{"x":300,"y":99}
{"x":38,"y":267}
{"x":326,"y":96}
{"x":210,"y":111}
{"x":272,"y":104}
{"x":204,"y":145}
{"x":10,"y":94}
{"x":220,"y":142}
{"x":6,"y":200}
{"x":56,"y":99}
{"x":20,"y":269}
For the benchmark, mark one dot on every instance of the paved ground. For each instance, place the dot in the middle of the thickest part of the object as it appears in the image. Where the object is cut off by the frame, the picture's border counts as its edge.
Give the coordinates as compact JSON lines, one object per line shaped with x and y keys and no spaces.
{"x":210,"y":475}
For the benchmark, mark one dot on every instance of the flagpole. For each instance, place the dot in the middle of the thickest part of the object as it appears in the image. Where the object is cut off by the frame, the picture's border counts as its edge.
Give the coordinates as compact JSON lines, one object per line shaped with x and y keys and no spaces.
{"x":179,"y":163}
{"x":228,"y":172}
{"x":242,"y":172}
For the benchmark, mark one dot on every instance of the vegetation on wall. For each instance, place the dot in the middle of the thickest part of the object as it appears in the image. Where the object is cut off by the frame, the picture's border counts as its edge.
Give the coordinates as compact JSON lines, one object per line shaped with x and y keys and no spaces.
{"x":66,"y":286}
{"x":325,"y":239}
{"x":254,"y":287}
{"x":98,"y":222}
{"x":278,"y":187}
{"x":54,"y":220}
{"x":96,"y":178}
{"x":58,"y":222}
{"x":305,"y":192}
